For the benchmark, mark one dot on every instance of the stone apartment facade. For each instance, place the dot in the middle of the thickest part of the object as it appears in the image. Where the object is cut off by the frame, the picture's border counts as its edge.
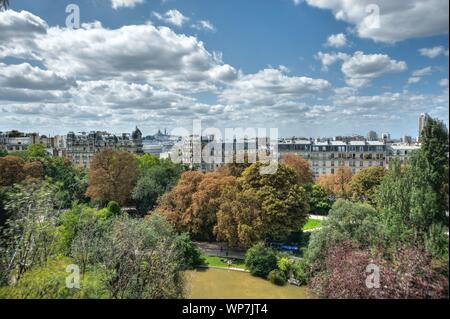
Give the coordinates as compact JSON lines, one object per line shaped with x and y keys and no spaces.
{"x":325,"y":157}
{"x":17,"y":142}
{"x":81,"y":148}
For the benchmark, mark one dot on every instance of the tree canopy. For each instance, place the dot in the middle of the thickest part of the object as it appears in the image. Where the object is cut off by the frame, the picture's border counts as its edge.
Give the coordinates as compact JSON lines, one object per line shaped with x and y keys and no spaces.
{"x":337,"y":184}
{"x":364,"y":184}
{"x":193,"y":203}
{"x":155,"y":179}
{"x":262,"y":207}
{"x":301,"y":167}
{"x":112,"y":177}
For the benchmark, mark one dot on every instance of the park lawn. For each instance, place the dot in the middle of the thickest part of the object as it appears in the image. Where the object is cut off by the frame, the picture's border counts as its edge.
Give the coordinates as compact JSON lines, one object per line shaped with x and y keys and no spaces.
{"x":312,"y":223}
{"x":221,"y":262}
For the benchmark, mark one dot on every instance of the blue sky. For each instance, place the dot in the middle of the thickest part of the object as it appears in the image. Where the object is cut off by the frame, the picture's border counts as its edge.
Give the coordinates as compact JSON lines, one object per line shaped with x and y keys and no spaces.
{"x":309,"y":68}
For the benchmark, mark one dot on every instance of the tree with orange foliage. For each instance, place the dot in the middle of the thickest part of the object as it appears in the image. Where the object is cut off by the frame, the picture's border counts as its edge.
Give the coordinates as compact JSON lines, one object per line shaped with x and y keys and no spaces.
{"x":112,"y":177}
{"x":34,"y":169}
{"x":337,"y":184}
{"x":261,"y":207}
{"x":11,"y":170}
{"x":192,"y":205}
{"x":300,"y":166}
{"x":177,"y":203}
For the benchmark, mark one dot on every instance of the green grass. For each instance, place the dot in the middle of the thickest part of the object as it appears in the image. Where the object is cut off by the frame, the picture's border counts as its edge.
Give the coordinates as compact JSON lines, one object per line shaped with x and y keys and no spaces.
{"x":222,"y":262}
{"x":312,"y":223}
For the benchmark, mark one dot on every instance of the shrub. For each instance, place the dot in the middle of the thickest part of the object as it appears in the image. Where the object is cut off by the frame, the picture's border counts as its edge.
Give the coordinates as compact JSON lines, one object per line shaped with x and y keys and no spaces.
{"x":49,"y":282}
{"x":436,"y":241}
{"x":301,"y":272}
{"x":190,"y":254}
{"x":347,"y":221}
{"x":407,"y":273}
{"x":277,"y":277}
{"x":260,"y":260}
{"x":114,"y":208}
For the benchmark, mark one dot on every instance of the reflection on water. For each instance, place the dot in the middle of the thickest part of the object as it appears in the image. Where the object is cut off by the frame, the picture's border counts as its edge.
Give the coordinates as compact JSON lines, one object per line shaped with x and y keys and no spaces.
{"x":227,"y":284}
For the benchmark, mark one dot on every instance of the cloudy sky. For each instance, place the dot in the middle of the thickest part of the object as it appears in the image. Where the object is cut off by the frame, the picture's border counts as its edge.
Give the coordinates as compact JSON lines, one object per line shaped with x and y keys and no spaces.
{"x":307,"y":67}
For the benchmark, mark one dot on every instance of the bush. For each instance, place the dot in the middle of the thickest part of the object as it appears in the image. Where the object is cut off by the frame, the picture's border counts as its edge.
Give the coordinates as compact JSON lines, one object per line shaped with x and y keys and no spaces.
{"x":347,"y":221}
{"x":260,"y":260}
{"x":114,"y":208}
{"x":277,"y":277}
{"x":436,"y":241}
{"x":190,"y":254}
{"x":49,"y":282}
{"x":408,"y":273}
{"x":302,"y":272}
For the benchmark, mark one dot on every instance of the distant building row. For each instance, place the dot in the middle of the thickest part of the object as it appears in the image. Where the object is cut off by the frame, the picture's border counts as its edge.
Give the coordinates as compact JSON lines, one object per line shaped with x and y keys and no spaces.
{"x":82,"y":148}
{"x":325,"y":157}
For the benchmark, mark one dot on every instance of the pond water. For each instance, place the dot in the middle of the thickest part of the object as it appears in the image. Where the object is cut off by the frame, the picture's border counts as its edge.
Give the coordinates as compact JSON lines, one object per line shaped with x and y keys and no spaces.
{"x":227,"y":284}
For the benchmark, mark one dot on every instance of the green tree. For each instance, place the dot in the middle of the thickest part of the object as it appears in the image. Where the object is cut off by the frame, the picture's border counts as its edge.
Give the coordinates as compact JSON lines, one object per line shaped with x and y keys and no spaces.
{"x":71,"y":180}
{"x":81,"y":219}
{"x":147,"y":161}
{"x":190,"y":254}
{"x":142,"y":260}
{"x":36,"y":151}
{"x":346,"y":221}
{"x":260,"y":260}
{"x":435,"y":148}
{"x":4,"y":215}
{"x":408,"y":201}
{"x":3,"y":153}
{"x":364,"y":183}
{"x":319,"y":200}
{"x":436,"y":241}
{"x":29,"y":236}
{"x":153,"y":182}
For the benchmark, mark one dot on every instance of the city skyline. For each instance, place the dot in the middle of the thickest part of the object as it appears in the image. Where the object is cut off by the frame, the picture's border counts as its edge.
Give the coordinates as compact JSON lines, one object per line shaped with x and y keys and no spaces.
{"x":309,"y":68}
{"x":371,"y":134}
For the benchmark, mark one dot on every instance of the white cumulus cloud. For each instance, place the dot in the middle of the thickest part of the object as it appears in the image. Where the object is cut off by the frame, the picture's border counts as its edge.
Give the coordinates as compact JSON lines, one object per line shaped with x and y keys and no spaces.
{"x":390,"y":21}
{"x":433,"y":52}
{"x":204,"y":25}
{"x":337,"y":40}
{"x":173,"y":17}
{"x":116,"y":4}
{"x":361,"y":68}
